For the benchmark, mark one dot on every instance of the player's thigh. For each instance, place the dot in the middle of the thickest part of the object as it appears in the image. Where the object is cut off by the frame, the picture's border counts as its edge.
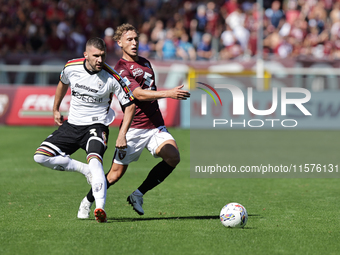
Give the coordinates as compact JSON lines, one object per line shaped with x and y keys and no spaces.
{"x":64,"y":140}
{"x":94,"y":141}
{"x":159,"y":139}
{"x":168,"y":151}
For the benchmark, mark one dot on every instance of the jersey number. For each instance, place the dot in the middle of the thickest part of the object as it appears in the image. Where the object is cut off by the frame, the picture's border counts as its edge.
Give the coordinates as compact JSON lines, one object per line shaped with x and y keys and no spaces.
{"x":93,"y":132}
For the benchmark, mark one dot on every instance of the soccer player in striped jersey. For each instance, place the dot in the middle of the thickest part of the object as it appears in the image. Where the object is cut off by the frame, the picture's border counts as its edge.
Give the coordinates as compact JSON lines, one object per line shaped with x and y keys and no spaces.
{"x":93,"y":84}
{"x":147,"y":129}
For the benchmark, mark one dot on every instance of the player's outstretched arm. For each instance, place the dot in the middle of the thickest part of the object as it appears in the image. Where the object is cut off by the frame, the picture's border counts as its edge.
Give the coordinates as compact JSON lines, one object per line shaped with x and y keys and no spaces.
{"x":129,"y":113}
{"x":59,"y":95}
{"x":150,"y":95}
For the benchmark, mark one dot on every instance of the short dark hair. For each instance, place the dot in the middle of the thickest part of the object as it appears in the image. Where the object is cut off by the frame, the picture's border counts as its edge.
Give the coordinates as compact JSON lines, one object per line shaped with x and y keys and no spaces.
{"x":96,"y":42}
{"x":122,"y":29}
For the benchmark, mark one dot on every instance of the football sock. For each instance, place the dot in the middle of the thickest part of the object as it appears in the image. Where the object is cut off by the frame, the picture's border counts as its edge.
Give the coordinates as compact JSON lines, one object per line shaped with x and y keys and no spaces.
{"x":62,"y":163}
{"x":98,"y":182}
{"x":90,"y":196}
{"x":156,"y":176}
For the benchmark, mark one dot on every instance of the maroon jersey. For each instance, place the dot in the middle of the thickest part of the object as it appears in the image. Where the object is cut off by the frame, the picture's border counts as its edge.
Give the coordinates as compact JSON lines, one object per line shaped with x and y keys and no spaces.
{"x":140,"y":74}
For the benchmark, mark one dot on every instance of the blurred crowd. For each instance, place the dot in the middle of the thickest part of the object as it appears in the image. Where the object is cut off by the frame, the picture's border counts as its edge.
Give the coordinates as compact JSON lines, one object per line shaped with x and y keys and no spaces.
{"x":176,"y":29}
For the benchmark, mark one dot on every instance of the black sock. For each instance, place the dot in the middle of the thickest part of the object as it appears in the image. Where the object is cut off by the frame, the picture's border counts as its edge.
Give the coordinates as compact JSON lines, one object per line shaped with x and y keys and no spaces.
{"x":156,"y":176}
{"x":90,"y":196}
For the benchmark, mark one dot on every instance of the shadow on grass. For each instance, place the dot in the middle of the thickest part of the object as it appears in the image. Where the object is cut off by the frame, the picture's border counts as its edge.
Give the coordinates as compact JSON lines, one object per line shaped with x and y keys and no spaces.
{"x":211,"y":217}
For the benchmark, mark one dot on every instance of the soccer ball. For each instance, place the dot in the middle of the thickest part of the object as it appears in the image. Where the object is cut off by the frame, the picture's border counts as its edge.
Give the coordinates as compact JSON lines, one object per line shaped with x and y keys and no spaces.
{"x":234,"y":215}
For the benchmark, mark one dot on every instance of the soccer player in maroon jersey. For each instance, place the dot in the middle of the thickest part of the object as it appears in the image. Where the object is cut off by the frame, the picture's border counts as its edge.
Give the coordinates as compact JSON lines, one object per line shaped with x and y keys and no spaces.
{"x":147,"y":129}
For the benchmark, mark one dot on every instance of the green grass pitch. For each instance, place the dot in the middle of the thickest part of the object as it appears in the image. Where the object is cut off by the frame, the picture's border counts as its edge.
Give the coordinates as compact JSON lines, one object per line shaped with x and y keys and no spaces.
{"x":286,"y":216}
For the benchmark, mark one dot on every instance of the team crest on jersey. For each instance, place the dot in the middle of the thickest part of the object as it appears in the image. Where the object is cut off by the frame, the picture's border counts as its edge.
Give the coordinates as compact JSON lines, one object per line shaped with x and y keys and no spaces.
{"x":137,"y":72}
{"x":121,"y":154}
{"x":104,"y":138}
{"x":100,"y":84}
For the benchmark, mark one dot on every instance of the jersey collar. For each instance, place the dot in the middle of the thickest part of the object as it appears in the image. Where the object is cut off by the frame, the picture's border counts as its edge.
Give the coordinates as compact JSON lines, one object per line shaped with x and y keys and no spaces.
{"x":87,"y":70}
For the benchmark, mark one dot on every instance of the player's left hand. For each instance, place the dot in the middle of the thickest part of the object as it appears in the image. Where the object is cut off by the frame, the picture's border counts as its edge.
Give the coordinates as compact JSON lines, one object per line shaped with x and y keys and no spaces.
{"x":58,"y":118}
{"x":178,"y":93}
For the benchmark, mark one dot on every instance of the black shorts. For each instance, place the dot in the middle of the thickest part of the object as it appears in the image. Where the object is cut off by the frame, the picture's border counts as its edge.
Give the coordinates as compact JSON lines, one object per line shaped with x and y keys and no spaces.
{"x":69,"y":138}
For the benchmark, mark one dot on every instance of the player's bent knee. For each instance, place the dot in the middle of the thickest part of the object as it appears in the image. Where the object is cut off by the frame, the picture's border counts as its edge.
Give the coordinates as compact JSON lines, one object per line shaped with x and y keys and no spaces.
{"x":95,"y":146}
{"x":40,"y":159}
{"x":173,"y":160}
{"x":170,"y":154}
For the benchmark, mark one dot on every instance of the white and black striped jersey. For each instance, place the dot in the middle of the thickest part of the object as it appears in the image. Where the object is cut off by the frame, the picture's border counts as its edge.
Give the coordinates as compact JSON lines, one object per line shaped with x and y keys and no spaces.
{"x":92,"y":93}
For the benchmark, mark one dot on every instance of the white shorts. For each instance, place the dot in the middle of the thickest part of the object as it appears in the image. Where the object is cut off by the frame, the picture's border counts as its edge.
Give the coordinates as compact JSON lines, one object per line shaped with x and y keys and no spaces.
{"x":137,"y":140}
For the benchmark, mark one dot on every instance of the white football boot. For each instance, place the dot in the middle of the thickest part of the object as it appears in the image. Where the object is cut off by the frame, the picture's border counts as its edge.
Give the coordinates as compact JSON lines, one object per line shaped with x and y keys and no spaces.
{"x":84,"y":209}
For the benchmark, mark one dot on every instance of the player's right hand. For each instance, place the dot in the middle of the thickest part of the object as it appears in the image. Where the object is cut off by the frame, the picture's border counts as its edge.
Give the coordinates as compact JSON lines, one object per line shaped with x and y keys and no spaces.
{"x":58,"y":118}
{"x":121,"y":142}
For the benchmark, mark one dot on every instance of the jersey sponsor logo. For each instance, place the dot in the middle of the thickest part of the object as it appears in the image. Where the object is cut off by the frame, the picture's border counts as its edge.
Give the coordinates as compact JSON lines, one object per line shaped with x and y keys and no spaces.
{"x":86,"y":98}
{"x":89,"y":89}
{"x":137,"y":72}
{"x":121,"y":154}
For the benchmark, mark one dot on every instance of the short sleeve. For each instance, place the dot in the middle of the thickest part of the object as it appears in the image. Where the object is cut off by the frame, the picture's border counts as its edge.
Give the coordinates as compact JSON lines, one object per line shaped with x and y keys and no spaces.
{"x":123,"y":93}
{"x":64,"y":77}
{"x":129,"y":80}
